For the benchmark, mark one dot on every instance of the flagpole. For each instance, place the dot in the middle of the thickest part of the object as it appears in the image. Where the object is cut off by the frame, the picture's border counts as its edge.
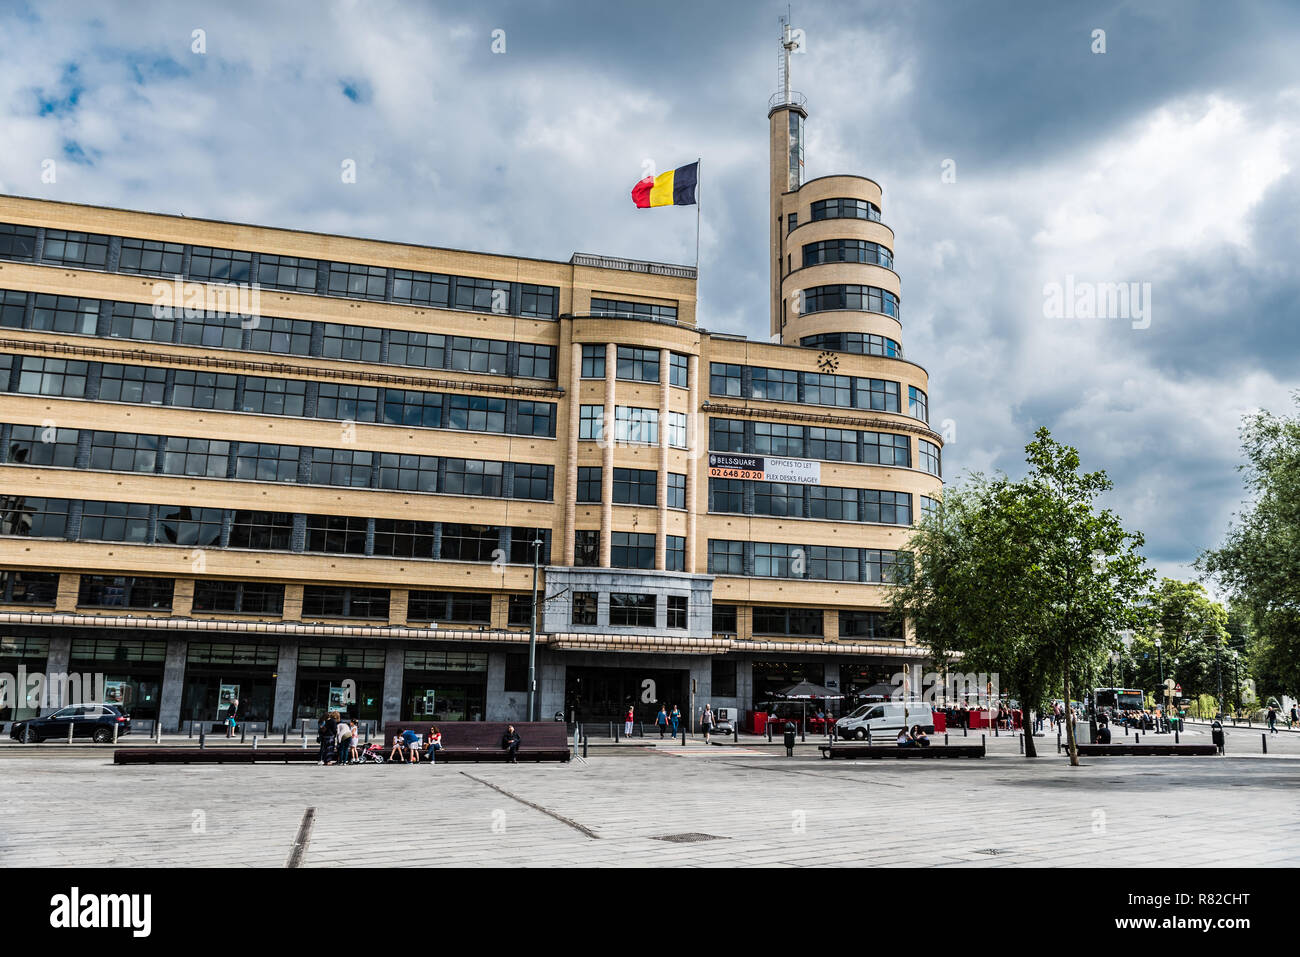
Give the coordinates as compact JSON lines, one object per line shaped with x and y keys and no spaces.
{"x":699,"y":166}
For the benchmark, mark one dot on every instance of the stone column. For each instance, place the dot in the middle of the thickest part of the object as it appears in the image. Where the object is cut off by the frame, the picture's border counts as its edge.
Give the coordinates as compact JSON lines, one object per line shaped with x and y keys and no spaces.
{"x":286,"y":684}
{"x":56,"y":672}
{"x":607,"y":472}
{"x":173,"y":684}
{"x":571,"y":456}
{"x":394,"y":671}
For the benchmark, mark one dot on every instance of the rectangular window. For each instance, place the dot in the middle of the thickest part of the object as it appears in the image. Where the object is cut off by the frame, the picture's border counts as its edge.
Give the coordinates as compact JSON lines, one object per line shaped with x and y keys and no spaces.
{"x":889,"y":508}
{"x":779,"y":499}
{"x":724,"y":620}
{"x":266,"y":531}
{"x":676,"y":490}
{"x":536,"y":362}
{"x":115,"y":522}
{"x":204,"y":390}
{"x":636,"y":425}
{"x":593,"y":362}
{"x":404,"y":538}
{"x":265,"y":462}
{"x":879,"y":395}
{"x":631,"y":611}
{"x":483,"y":295}
{"x":326,"y":601}
{"x":586,"y":548}
{"x":929,"y":507}
{"x":773,"y":438}
{"x":521,"y":546}
{"x":776,"y":385}
{"x":591,"y":423}
{"x":882,"y":565}
{"x":354,"y":402}
{"x":519,"y":614}
{"x":19,"y":587}
{"x":918,"y":406}
{"x":13,"y":307}
{"x":219,"y":265}
{"x":17,"y":242}
{"x":535,"y":418}
{"x":476,"y":413}
{"x":290,"y":337}
{"x":247,"y":598}
{"x":136,"y":320}
{"x":124,"y":452}
{"x":632,"y":550}
{"x":37,"y":445}
{"x":473,"y":477}
{"x":65,"y":314}
{"x":357,"y":281}
{"x":212,"y":331}
{"x":347,"y":467}
{"x":635,"y":486}
{"x":33,"y":517}
{"x":928,"y":453}
{"x":832,"y":563}
{"x":677,"y":429}
{"x":637,"y":365}
{"x":416,"y":349}
{"x":726,"y":495}
{"x":408,"y":407}
{"x":836,"y":445}
{"x":533,"y":482}
{"x":183,"y":525}
{"x":469,"y":543}
{"x":678,"y":369}
{"x":125,"y":591}
{"x":773,"y":559}
{"x":798,"y":622}
{"x":408,"y":473}
{"x":470,"y":608}
{"x":634,"y":310}
{"x":274,"y":396}
{"x":75,"y":249}
{"x":823,"y":389}
{"x":352,"y":343}
{"x":885,"y":448}
{"x":833,"y":504}
{"x":675,"y":553}
{"x":478,"y":355}
{"x":677,"y":612}
{"x":421,"y":289}
{"x":584,"y":608}
{"x":537,"y":301}
{"x":724,"y":379}
{"x":143,"y":384}
{"x":726,"y":435}
{"x":61,"y":377}
{"x":150,"y":257}
{"x":589,"y":479}
{"x":290,"y":273}
{"x":726,"y":558}
{"x":873,"y":625}
{"x":336,"y":534}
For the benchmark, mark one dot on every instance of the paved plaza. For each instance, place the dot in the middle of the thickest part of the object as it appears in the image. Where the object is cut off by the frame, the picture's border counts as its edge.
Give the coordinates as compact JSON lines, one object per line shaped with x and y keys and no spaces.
{"x":659,"y":805}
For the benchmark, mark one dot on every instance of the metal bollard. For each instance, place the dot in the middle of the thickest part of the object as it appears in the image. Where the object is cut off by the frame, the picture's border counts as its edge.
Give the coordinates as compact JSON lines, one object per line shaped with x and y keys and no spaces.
{"x":868,"y":737}
{"x":1137,"y":737}
{"x":254,"y":742}
{"x":115,"y":732}
{"x":584,"y":745}
{"x":243,"y":732}
{"x":611,"y":731}
{"x":616,"y":734}
{"x":191,"y":727}
{"x":157,"y":732}
{"x":1263,"y":740}
{"x":1175,"y":735}
{"x":769,"y":732}
{"x":284,"y":737}
{"x":683,"y":736}
{"x":965,"y":730}
{"x":202,"y":739}
{"x":735,"y":732}
{"x":945,"y":738}
{"x":304,"y":733}
{"x":69,"y":732}
{"x":803,"y":733}
{"x":641,"y":725}
{"x":1022,"y":744}
{"x":983,"y":744}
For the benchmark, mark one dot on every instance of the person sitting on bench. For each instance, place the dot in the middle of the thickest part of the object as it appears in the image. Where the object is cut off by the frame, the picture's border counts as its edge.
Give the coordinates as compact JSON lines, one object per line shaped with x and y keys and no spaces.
{"x":434,"y":743}
{"x":510,"y":742}
{"x":919,"y":738}
{"x":904,"y":739}
{"x":411,"y":744}
{"x":396,"y":753}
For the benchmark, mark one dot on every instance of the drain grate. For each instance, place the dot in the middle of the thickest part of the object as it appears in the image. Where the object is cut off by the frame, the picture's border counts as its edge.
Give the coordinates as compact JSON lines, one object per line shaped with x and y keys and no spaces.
{"x":691,"y":837}
{"x":992,"y":851}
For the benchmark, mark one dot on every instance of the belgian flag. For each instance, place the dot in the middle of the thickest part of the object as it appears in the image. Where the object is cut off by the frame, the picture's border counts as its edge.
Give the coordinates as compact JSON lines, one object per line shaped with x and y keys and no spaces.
{"x":674,"y":188}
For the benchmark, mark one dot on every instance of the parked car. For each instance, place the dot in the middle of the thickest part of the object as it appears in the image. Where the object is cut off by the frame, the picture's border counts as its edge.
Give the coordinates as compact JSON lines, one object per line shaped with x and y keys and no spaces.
{"x":93,"y":721}
{"x":884,"y":718}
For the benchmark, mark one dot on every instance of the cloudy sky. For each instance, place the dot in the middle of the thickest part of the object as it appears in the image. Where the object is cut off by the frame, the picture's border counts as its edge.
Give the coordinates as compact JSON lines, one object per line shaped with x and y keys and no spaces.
{"x":1168,"y":159}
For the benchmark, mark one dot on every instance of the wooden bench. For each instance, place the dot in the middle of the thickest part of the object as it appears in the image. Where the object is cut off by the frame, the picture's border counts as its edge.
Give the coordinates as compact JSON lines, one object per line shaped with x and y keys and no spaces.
{"x":481,"y":740}
{"x":215,"y":755}
{"x":1143,"y":750}
{"x":844,"y":750}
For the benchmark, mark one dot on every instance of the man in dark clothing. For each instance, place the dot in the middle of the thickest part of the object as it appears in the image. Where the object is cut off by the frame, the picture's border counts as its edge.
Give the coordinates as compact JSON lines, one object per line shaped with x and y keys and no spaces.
{"x":232,"y":718}
{"x":510,"y":742}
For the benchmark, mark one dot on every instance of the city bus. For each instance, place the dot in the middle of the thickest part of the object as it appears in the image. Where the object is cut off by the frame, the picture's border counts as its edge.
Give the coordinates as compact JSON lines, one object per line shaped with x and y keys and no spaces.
{"x":1109,"y":700}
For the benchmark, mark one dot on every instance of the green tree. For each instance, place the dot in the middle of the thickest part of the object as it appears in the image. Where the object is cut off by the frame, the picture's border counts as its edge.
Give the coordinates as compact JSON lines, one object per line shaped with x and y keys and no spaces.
{"x":1258,"y":563}
{"x":1028,"y":578}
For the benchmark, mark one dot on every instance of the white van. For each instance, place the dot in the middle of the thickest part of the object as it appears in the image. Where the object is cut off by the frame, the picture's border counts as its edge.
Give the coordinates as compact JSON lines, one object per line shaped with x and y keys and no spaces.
{"x":884,"y":720}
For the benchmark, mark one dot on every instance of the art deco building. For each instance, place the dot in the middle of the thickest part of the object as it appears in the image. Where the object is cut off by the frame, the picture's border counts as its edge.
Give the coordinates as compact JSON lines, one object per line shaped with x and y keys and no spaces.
{"x":283,"y":466}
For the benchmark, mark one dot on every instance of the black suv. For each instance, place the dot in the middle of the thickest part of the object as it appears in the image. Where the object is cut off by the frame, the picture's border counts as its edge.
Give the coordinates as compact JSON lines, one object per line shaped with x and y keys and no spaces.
{"x":94,"y":721}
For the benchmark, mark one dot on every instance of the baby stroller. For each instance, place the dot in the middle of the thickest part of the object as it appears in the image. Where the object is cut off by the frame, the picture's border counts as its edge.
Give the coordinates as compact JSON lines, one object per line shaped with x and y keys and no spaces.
{"x":372,"y":754}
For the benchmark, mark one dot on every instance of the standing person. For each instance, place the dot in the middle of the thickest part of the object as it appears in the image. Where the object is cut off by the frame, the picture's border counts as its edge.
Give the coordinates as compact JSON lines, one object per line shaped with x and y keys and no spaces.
{"x":661,"y":719}
{"x":706,"y":722}
{"x":329,"y":730}
{"x":510,"y":742}
{"x":1272,"y":719}
{"x":627,"y":722}
{"x":344,"y":742}
{"x":411,"y":742}
{"x":1295,"y":717}
{"x":232,"y":717}
{"x":354,"y":755}
{"x":676,"y":719}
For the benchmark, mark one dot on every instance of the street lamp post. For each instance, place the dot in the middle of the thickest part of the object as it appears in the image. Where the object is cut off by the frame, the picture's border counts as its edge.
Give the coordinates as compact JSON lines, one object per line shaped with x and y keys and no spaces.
{"x":1218,"y":667}
{"x":532,"y":637}
{"x":1164,"y":694}
{"x":1236,"y":683}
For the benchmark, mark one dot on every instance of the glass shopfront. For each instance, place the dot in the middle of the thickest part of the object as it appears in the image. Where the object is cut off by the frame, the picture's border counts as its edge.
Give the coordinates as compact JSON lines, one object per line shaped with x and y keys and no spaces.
{"x":444,"y":686}
{"x":18,"y":653}
{"x":604,"y":694}
{"x":217,"y":673}
{"x":861,"y":680}
{"x":349,"y":680}
{"x":132,"y":672}
{"x":772,"y":676}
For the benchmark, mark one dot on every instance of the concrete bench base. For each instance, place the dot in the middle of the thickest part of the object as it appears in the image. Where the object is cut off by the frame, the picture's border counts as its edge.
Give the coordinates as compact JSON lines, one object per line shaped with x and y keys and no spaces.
{"x":1144,"y":750}
{"x":894,"y":751}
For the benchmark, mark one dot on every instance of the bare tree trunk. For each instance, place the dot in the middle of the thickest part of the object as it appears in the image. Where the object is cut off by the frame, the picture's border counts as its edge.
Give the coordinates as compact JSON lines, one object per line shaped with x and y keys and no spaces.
{"x":1027,"y":728}
{"x":1069,"y":714}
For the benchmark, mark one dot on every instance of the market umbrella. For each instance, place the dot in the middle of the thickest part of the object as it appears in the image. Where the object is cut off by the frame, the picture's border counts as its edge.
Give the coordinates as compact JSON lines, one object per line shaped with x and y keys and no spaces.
{"x":805,"y":691}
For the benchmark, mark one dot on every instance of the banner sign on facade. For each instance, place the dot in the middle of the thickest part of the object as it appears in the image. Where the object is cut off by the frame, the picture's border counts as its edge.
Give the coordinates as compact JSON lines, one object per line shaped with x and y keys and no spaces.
{"x":763,"y":468}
